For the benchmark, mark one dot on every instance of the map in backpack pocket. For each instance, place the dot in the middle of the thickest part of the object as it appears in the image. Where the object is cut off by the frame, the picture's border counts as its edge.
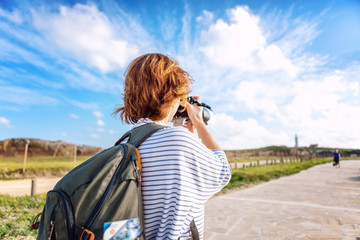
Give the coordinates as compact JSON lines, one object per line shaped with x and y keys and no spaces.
{"x":128,"y":229}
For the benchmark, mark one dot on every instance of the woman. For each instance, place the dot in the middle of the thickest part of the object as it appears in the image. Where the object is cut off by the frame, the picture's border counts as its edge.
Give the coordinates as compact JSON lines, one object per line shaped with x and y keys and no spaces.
{"x":180,"y":171}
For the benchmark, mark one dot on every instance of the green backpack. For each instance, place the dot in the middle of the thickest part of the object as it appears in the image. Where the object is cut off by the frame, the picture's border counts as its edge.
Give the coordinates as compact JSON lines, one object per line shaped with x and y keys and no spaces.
{"x":101,"y":198}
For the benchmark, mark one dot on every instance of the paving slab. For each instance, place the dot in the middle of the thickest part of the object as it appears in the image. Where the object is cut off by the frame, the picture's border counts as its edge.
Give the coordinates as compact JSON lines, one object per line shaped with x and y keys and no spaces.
{"x":322,"y":202}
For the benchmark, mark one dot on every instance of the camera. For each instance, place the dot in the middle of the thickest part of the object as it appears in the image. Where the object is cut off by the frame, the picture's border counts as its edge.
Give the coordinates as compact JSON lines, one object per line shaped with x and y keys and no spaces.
{"x":181,"y":116}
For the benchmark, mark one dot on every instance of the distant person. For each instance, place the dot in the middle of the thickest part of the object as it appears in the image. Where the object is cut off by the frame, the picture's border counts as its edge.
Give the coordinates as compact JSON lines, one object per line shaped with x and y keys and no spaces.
{"x":180,"y":171}
{"x":337,"y":157}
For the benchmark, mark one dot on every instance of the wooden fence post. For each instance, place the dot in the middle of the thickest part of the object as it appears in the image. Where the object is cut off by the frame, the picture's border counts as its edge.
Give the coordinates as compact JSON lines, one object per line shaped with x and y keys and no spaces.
{"x":244,"y":166}
{"x":75,"y":153}
{"x":33,"y":187}
{"x":25,"y":155}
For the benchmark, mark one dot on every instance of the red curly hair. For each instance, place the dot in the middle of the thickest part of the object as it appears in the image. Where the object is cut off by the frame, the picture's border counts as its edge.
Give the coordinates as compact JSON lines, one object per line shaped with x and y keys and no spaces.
{"x":153,"y":83}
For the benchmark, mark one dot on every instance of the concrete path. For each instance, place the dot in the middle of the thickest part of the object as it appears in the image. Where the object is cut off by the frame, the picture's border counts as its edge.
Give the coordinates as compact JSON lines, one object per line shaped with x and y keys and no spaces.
{"x":319,"y":203}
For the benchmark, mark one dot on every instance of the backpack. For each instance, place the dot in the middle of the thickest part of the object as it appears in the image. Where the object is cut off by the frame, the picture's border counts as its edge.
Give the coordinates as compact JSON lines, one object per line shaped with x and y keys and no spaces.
{"x":100,"y":197}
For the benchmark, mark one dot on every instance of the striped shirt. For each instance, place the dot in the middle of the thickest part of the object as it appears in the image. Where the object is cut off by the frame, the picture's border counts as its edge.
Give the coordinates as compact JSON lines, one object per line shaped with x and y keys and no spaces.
{"x":179,"y":174}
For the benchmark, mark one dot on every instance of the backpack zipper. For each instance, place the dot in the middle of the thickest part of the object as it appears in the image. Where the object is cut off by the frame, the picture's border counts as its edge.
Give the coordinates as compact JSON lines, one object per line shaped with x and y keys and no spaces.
{"x":107,"y":192}
{"x":137,"y":174}
{"x":69,"y":214}
{"x":50,"y":230}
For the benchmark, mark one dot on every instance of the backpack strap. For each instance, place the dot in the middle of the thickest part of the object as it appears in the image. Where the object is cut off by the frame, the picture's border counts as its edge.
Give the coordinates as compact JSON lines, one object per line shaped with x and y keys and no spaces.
{"x":194,"y":231}
{"x":139,"y":134}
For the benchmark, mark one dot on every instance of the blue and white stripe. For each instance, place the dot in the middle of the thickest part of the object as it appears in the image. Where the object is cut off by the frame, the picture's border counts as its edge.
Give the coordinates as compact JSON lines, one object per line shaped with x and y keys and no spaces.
{"x":179,"y":174}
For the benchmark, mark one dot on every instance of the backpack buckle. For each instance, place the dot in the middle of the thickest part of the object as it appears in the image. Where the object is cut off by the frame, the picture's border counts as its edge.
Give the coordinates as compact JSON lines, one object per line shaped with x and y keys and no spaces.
{"x":87,"y":235}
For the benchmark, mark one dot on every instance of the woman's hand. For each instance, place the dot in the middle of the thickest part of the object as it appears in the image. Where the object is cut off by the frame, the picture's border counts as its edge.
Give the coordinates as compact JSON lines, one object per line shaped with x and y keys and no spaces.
{"x":195,"y":113}
{"x":190,"y":126}
{"x":196,"y":121}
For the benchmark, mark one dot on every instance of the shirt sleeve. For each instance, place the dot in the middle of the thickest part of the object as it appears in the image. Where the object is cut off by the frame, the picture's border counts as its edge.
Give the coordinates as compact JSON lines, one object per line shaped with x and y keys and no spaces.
{"x":207,"y":170}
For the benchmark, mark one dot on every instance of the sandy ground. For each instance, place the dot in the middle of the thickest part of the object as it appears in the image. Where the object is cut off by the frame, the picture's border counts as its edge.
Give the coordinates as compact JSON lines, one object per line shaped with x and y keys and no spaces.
{"x":23,"y":187}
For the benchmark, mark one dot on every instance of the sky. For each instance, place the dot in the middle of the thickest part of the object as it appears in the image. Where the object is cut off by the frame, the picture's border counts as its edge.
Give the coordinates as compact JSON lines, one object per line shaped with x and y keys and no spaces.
{"x":269,"y":69}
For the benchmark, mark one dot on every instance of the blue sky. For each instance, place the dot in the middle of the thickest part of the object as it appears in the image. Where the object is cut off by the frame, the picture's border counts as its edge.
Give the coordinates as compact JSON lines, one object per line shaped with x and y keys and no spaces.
{"x":269,"y":69}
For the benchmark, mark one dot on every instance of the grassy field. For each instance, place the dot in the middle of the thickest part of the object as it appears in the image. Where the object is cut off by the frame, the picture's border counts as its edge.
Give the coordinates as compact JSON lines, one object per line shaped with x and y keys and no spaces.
{"x":17,"y":212}
{"x":11,"y":167}
{"x":249,"y":159}
{"x":262,"y":158}
{"x":241,"y":177}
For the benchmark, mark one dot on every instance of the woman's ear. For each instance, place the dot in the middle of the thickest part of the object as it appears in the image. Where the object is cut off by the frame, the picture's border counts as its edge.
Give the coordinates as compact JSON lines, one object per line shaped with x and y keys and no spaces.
{"x":183,"y":101}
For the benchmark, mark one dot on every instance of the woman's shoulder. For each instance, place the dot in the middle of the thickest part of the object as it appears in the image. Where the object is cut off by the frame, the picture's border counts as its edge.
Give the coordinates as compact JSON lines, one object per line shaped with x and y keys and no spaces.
{"x":176,"y":133}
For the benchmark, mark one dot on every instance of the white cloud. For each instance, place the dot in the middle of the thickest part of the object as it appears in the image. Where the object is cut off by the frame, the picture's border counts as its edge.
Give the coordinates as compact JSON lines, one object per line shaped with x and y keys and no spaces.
{"x":5,"y":122}
{"x":355,"y":88}
{"x":291,"y":34}
{"x":64,"y":134}
{"x":257,"y":96}
{"x":111,"y":131}
{"x":100,"y":123}
{"x":74,"y":116}
{"x":94,"y":136}
{"x":241,"y":45}
{"x":235,"y":134}
{"x":337,"y":127}
{"x":206,"y":17}
{"x":98,"y":114}
{"x":265,"y":83}
{"x":100,"y":130}
{"x":11,"y":16}
{"x":82,"y":105}
{"x":80,"y":76}
{"x":320,"y":107}
{"x":15,"y":53}
{"x":88,"y":34}
{"x":168,"y":27}
{"x":314,"y":98}
{"x":39,"y":50}
{"x":186,"y":29}
{"x":23,"y":96}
